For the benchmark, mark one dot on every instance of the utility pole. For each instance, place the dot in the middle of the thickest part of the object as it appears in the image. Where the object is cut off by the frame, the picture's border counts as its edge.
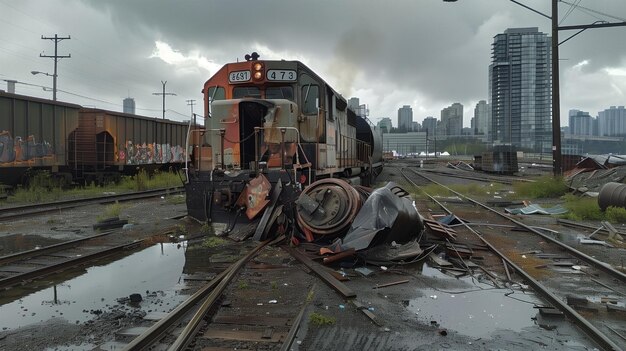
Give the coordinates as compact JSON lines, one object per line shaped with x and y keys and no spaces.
{"x":163,"y":93}
{"x":56,"y":58}
{"x":190,"y":103}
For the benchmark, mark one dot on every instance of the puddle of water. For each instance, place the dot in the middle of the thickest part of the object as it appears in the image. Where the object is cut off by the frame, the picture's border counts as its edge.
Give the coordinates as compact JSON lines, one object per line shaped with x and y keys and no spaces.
{"x":156,"y":268}
{"x":475,"y":313}
{"x":19,"y":242}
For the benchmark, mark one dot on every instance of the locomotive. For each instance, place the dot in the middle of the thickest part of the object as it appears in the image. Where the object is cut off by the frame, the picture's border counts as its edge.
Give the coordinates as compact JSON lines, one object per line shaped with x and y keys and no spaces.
{"x":272,"y":128}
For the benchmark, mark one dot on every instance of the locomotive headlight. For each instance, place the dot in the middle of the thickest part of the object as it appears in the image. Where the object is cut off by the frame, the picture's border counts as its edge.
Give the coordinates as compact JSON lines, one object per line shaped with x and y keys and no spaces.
{"x":257,"y":68}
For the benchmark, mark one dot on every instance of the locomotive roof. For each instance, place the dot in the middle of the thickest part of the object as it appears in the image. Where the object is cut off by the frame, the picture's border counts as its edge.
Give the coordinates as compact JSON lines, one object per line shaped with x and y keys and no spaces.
{"x":298,"y":63}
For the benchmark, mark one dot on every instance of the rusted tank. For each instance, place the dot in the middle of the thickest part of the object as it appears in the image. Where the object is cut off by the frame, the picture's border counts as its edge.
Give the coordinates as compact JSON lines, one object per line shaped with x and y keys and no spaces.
{"x":612,"y":194}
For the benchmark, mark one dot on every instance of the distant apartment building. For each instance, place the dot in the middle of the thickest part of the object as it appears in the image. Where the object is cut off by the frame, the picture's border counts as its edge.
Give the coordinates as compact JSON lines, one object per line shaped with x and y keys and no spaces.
{"x":452,"y":119}
{"x":580,"y":123}
{"x":481,"y":118}
{"x":415,"y":126}
{"x":405,"y":118}
{"x":385,"y":125}
{"x":129,"y":105}
{"x":520,"y":89}
{"x":429,"y":125}
{"x":612,"y":121}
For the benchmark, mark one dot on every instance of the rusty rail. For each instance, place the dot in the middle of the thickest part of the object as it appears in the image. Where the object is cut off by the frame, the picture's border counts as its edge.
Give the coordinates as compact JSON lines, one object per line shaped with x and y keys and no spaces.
{"x":596,"y":335}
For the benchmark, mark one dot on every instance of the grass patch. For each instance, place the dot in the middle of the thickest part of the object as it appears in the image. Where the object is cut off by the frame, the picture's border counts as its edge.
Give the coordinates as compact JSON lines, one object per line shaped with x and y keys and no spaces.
{"x":112,"y":210}
{"x":581,"y":209}
{"x":207,"y":229}
{"x":212,"y":242}
{"x":319,"y":319}
{"x":544,"y":187}
{"x":310,"y":295}
{"x":44,"y":187}
{"x":242,"y":285}
{"x":615,"y":214}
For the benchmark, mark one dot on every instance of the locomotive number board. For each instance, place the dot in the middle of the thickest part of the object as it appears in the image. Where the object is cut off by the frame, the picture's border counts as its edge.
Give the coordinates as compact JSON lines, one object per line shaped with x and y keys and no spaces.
{"x":239,"y":76}
{"x":282,"y":75}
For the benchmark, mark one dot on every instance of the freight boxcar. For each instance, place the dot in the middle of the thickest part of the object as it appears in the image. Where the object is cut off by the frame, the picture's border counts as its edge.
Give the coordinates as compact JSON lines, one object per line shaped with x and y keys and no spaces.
{"x":33,"y":134}
{"x":108,"y":143}
{"x":83,"y":144}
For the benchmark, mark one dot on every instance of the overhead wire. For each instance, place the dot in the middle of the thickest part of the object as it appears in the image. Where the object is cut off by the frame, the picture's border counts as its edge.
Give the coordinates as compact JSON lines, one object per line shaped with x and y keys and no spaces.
{"x":581,"y":8}
{"x":71,"y":70}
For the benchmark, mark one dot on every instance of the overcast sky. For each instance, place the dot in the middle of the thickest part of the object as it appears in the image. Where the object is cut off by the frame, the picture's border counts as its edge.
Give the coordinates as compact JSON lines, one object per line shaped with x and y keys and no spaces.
{"x":424,"y":53}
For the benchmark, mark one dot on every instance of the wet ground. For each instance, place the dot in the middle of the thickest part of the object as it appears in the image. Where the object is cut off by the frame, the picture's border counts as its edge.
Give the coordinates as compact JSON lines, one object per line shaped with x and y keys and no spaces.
{"x":83,"y":309}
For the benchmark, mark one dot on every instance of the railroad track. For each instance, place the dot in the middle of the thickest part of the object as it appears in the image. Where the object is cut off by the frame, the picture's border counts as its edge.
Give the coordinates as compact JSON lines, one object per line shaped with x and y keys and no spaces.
{"x":234,"y":310}
{"x":28,"y":265}
{"x":34,"y":209}
{"x":546,"y":264}
{"x":469,"y":175}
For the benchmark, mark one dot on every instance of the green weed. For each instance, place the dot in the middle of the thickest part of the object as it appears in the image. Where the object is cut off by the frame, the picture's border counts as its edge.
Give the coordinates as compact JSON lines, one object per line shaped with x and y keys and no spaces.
{"x":581,"y":209}
{"x":242,"y":285}
{"x":544,"y":187}
{"x":212,"y":242}
{"x":112,"y":210}
{"x":319,"y":319}
{"x":615,"y":214}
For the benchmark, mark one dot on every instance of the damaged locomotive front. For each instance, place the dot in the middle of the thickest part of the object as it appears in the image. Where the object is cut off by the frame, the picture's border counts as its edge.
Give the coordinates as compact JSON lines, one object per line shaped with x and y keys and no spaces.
{"x":272,"y":128}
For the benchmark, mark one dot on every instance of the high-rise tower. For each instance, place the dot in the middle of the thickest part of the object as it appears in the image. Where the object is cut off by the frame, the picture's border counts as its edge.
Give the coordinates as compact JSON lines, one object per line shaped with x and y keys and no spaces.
{"x":520,"y":89}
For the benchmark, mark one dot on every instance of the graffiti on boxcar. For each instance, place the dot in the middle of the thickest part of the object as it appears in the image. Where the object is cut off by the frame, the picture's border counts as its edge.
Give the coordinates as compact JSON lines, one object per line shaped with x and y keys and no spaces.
{"x":17,"y":150}
{"x":137,"y":154}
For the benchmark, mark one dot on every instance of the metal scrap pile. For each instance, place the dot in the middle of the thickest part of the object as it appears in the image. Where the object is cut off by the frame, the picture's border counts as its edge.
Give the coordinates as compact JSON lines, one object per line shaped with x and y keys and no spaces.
{"x":379,"y":225}
{"x":592,"y":172}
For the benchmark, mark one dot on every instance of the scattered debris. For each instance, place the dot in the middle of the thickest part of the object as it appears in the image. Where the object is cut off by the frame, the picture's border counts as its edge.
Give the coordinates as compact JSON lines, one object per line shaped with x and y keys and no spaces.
{"x":378,"y":286}
{"x":534,"y":209}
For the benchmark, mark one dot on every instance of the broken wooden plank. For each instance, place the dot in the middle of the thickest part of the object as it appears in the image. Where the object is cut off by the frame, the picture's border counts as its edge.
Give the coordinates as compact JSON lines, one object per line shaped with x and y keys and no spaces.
{"x":367,"y":312}
{"x":243,"y":335}
{"x":253,"y":320}
{"x":321,"y":272}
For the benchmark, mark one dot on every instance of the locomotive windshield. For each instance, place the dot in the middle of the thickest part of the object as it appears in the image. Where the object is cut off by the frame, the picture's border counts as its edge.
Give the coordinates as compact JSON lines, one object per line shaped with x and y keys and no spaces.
{"x":285,"y":92}
{"x":242,"y":92}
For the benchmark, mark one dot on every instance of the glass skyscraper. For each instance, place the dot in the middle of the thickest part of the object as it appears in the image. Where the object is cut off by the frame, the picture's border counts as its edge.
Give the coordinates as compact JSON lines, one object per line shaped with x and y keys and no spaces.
{"x":520,"y":89}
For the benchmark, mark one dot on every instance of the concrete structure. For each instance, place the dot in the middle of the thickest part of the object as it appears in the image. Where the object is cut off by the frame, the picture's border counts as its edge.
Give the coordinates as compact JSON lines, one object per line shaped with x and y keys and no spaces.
{"x":612,"y":121}
{"x":430,"y":125}
{"x":481,"y":118}
{"x":405,"y":143}
{"x":520,"y":89}
{"x":452,"y":119}
{"x":385,"y":125}
{"x":405,"y":118}
{"x":580,"y":123}
{"x":415,"y":126}
{"x":129,"y":105}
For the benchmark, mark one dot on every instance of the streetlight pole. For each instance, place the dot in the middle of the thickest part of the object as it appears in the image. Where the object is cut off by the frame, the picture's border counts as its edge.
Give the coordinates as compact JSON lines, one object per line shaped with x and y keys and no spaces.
{"x":54,"y":81}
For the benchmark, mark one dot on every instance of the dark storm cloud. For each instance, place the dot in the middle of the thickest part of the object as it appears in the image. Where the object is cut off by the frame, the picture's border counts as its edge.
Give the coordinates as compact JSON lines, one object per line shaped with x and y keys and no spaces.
{"x":426,"y":53}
